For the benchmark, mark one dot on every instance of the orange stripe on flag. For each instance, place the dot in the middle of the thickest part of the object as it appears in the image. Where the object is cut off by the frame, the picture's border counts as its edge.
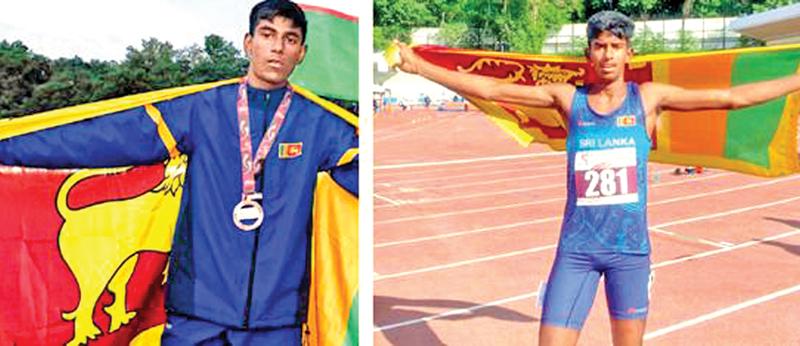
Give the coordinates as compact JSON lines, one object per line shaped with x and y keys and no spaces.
{"x":714,"y":69}
{"x":700,"y":132}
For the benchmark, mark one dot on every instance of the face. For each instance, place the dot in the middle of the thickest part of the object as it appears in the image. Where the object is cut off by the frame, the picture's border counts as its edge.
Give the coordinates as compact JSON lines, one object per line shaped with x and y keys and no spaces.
{"x":609,"y":54}
{"x":274,"y":49}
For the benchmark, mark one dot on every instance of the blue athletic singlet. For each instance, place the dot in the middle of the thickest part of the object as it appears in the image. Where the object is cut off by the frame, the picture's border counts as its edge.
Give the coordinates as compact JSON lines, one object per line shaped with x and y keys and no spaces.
{"x":604,"y":232}
{"x":606,"y":209}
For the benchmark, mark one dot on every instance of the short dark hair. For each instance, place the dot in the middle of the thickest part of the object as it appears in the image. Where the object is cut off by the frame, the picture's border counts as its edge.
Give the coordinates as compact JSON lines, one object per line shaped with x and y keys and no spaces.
{"x":269,"y":9}
{"x":612,"y":21}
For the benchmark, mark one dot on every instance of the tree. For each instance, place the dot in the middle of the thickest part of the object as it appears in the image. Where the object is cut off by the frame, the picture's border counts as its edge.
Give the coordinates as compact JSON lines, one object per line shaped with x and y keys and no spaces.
{"x":395,"y":19}
{"x":73,"y":81}
{"x":523,"y":25}
{"x":767,"y":5}
{"x":687,"y":42}
{"x":719,"y":8}
{"x":218,"y":60}
{"x":454,"y":34}
{"x":444,"y":11}
{"x":713,"y":8}
{"x":634,"y":8}
{"x":546,"y":17}
{"x":152,"y":67}
{"x":31,"y":83}
{"x":516,"y":25}
{"x":649,"y":42}
{"x":20,"y":72}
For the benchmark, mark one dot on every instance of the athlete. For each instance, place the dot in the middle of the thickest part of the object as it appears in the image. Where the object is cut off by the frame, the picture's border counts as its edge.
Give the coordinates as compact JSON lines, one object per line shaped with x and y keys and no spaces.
{"x":238,"y":270}
{"x":611,"y":122}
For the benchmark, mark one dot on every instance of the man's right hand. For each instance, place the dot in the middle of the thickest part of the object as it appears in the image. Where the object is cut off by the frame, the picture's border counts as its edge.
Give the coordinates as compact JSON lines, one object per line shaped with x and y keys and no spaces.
{"x":556,"y":95}
{"x":409,"y":61}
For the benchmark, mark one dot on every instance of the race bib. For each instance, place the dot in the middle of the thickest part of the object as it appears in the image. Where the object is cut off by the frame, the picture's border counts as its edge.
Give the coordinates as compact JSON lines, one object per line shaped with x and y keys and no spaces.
{"x":604,"y":177}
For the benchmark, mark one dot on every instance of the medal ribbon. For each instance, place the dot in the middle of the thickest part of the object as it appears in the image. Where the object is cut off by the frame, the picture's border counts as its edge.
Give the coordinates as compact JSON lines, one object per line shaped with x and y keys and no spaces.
{"x":252,"y":165}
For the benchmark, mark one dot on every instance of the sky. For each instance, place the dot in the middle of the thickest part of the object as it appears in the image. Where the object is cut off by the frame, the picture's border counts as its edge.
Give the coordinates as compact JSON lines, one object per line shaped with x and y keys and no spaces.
{"x":103,"y":29}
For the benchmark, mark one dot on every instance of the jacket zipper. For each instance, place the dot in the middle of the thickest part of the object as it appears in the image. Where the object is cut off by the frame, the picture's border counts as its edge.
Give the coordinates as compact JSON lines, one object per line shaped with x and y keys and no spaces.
{"x":252,"y":279}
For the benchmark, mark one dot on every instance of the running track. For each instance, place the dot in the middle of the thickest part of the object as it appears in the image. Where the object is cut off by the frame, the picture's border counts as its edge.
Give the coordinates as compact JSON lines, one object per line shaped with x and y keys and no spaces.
{"x":466,"y":224}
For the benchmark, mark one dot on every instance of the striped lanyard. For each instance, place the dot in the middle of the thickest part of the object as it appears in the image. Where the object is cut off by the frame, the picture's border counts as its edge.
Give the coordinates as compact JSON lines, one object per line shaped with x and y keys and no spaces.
{"x":248,"y":208}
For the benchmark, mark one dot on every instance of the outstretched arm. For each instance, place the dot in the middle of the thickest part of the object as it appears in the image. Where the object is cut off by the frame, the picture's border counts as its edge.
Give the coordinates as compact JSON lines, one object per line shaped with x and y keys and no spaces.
{"x":140,"y":135}
{"x":552,"y":95}
{"x":669,"y":97}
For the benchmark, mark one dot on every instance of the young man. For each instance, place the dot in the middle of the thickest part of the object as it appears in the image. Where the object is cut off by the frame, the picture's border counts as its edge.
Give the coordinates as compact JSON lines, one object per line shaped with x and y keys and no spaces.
{"x":604,"y":230}
{"x":233,"y":278}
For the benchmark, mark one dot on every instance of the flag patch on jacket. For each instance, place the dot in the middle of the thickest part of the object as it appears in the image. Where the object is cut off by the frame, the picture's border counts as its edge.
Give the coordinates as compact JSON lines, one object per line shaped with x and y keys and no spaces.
{"x":290,"y":150}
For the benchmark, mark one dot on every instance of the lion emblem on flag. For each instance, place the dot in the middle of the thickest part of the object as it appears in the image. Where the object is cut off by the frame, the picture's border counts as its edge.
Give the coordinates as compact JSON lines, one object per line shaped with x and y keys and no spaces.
{"x":100,"y":242}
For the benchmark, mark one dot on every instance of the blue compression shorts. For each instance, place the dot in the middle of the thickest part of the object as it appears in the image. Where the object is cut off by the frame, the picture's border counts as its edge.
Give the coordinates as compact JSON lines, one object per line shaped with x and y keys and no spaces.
{"x":572,"y":286}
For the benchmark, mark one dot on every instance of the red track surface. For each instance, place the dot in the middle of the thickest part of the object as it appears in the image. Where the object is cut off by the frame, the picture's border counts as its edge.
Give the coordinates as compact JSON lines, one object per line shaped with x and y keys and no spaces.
{"x":461,"y":246}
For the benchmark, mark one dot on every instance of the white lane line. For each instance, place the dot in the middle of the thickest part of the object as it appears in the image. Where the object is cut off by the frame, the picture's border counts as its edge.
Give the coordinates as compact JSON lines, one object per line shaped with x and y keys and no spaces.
{"x":387,"y":175}
{"x":684,"y":181}
{"x":721,"y":244}
{"x":732,"y":189}
{"x":466,"y":211}
{"x":517,"y":205}
{"x":721,"y":312}
{"x":471,"y":185}
{"x":474,"y":195}
{"x":386,"y":199}
{"x":462,"y":161}
{"x":396,"y":174}
{"x":727,"y":249}
{"x":540,"y":248}
{"x":477,"y":174}
{"x":466,"y":262}
{"x":472,"y":231}
{"x":688,"y":237}
{"x":480,"y":230}
{"x":489,"y":182}
{"x":463,"y":311}
{"x":539,"y":187}
{"x":729,"y":212}
{"x":409,"y":122}
{"x":386,"y":130}
{"x":535,"y":293}
{"x":416,"y":127}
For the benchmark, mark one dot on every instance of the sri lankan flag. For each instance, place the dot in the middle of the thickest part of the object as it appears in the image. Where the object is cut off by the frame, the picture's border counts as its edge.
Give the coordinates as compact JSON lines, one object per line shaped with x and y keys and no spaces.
{"x":99,"y":238}
{"x":760,"y":140}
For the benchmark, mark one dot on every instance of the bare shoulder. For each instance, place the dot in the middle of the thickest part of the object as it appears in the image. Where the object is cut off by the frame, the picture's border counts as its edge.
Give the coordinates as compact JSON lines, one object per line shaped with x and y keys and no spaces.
{"x":657,"y":90}
{"x":653,"y":92}
{"x":545,"y":96}
{"x":561,"y":89}
{"x":651,"y":88}
{"x":562,"y":94}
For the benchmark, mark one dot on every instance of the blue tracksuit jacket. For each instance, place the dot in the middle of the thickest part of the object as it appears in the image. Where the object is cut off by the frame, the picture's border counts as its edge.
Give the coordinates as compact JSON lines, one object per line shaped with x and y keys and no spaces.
{"x":217,"y":272}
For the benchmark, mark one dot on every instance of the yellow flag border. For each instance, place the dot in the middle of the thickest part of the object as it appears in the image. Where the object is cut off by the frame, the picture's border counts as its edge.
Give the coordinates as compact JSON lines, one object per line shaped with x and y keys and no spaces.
{"x":41,"y":121}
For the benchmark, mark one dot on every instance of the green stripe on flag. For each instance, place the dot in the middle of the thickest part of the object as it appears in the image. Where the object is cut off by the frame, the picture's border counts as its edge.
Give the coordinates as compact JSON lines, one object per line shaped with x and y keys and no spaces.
{"x":750,"y":130}
{"x":330,"y":68}
{"x":351,"y":338}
